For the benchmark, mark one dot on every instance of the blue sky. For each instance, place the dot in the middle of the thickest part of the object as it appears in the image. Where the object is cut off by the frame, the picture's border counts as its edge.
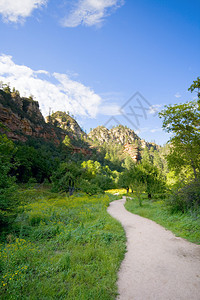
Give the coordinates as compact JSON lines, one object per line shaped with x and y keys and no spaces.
{"x":90,"y":57}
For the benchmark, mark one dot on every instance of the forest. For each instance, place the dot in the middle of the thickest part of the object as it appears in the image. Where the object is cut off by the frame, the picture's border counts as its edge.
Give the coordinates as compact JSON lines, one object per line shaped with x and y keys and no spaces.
{"x":53,"y":203}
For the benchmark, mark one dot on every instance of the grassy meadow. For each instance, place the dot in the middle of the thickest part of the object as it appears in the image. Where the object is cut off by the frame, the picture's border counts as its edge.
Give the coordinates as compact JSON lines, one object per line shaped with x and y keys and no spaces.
{"x":61,"y":247}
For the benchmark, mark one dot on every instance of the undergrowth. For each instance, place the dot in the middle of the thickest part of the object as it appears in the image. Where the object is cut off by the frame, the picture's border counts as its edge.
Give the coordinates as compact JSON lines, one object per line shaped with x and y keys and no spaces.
{"x":62,"y":248}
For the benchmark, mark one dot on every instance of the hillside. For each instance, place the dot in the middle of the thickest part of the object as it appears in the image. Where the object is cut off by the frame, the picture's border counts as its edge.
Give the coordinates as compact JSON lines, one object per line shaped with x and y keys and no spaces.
{"x":130,"y":142}
{"x":21,"y":119}
{"x":67,"y":123}
{"x":118,"y":135}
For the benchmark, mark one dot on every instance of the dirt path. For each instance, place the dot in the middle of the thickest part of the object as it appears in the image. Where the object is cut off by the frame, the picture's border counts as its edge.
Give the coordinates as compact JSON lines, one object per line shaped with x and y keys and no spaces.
{"x":157,"y":265}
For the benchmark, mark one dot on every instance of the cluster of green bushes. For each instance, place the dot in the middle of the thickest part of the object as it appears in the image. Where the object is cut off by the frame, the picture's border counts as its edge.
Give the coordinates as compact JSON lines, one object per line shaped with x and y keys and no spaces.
{"x":88,"y":176}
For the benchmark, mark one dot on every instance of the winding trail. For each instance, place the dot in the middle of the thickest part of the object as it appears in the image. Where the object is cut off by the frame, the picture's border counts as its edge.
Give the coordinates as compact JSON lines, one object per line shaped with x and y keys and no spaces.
{"x":157,"y":265}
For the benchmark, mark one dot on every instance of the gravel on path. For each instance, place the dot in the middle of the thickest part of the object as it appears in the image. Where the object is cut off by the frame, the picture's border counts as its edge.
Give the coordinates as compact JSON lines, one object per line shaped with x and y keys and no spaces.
{"x":157,"y":265}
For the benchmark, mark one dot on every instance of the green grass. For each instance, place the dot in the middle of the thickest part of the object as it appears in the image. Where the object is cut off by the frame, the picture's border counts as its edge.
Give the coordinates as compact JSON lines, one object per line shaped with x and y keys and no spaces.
{"x":182,"y":225}
{"x":62,"y":248}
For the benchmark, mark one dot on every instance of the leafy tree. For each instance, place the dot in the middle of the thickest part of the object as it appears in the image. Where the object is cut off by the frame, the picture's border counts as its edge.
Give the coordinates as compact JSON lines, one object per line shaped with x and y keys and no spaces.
{"x":125,"y":180}
{"x":67,"y":141}
{"x":182,"y":120}
{"x":153,"y":179}
{"x":7,"y":182}
{"x":92,"y":168}
{"x":157,"y":161}
{"x":6,"y":88}
{"x":137,"y":182}
{"x":194,"y":86}
{"x":89,"y":187}
{"x":104,"y":182}
{"x":128,"y":163}
{"x":146,"y":157}
{"x":67,"y":177}
{"x":33,"y":163}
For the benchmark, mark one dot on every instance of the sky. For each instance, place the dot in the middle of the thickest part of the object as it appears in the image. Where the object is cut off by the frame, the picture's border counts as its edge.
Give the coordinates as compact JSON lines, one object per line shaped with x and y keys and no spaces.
{"x":106,"y":62}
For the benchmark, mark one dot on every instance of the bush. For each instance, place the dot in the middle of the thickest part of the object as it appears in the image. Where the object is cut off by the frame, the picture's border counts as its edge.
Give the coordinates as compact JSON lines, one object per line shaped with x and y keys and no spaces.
{"x":186,"y":198}
{"x":90,"y":188}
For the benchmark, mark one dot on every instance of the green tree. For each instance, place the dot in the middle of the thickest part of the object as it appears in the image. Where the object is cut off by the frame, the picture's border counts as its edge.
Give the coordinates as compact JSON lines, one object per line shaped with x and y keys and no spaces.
{"x":7,"y":182}
{"x":92,"y":168}
{"x":157,"y":161}
{"x":194,"y":86}
{"x":67,"y":141}
{"x":137,"y":182}
{"x":31,"y":162}
{"x":89,"y":187}
{"x":153,"y":179}
{"x":67,"y":177}
{"x":128,"y":163}
{"x":182,"y":120}
{"x":146,"y":157}
{"x":125,"y":180}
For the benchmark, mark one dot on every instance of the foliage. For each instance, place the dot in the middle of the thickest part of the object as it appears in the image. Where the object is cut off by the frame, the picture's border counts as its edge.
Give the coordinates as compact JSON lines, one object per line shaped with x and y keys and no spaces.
{"x":143,"y":177}
{"x":186,"y":198}
{"x":155,"y":182}
{"x":66,"y":177}
{"x":88,"y":176}
{"x":183,"y":121}
{"x":194,"y":86}
{"x":32,"y":163}
{"x":7,"y":183}
{"x":67,"y":141}
{"x":104,"y":182}
{"x":64,"y":249}
{"x":89,"y":187}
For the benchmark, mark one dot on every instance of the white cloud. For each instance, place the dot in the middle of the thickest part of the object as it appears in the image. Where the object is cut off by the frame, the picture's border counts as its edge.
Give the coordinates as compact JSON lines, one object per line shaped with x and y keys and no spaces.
{"x":64,"y":95}
{"x":177,"y":95}
{"x":154,"y":109}
{"x":156,"y":130}
{"x":17,"y":10}
{"x":90,"y":12}
{"x":109,"y":106}
{"x":111,"y":109}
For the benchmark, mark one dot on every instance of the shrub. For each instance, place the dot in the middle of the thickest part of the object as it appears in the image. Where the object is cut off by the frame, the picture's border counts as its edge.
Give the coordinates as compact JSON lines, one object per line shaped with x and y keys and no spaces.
{"x":186,"y":198}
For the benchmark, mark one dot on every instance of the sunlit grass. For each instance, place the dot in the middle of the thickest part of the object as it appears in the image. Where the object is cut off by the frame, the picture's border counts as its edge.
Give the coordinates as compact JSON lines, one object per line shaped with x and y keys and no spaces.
{"x":116,"y":191}
{"x":183,"y":225}
{"x":62,"y":248}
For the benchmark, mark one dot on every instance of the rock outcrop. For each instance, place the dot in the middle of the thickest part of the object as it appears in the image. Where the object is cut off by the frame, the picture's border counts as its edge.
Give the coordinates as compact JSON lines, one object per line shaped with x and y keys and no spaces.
{"x":119,"y":134}
{"x":133,"y":151}
{"x":67,"y":123}
{"x":131,"y":142}
{"x":21,"y":118}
